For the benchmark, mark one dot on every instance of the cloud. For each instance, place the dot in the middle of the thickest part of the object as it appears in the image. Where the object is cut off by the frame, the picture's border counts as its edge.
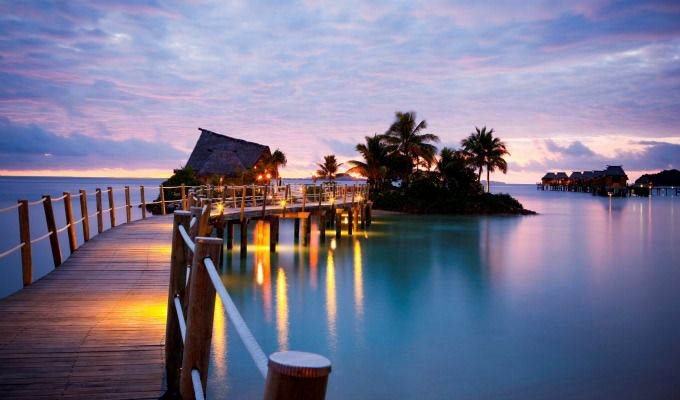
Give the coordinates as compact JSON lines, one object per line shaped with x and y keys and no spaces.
{"x":340,"y":148}
{"x":654,"y":155}
{"x":30,"y":146}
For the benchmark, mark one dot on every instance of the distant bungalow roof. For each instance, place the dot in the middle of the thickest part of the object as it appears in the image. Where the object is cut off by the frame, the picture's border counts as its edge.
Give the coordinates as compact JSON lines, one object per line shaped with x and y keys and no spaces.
{"x":576,"y":175}
{"x":216,"y":154}
{"x":549,"y":175}
{"x":561,"y":175}
{"x":614,"y":170}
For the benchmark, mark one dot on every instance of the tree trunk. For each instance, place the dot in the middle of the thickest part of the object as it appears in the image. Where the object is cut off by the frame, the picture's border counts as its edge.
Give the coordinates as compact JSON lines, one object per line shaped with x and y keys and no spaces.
{"x":488,"y":182}
{"x":479,"y":175}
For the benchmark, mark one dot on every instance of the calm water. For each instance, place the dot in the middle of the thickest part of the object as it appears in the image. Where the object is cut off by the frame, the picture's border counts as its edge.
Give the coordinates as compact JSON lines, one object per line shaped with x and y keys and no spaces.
{"x":581,"y":301}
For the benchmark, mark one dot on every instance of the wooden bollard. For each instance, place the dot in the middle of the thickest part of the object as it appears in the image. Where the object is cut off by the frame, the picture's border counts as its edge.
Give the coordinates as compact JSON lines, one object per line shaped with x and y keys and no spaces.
{"x":296,"y":375}
{"x":338,"y":225}
{"x":52,"y":227}
{"x":273,"y":232}
{"x":112,"y":209}
{"x":25,"y":237}
{"x":162,"y":192}
{"x":178,"y":268}
{"x":185,"y":206}
{"x":143,"y":200}
{"x":100,"y":211}
{"x":296,"y":232}
{"x":71,"y":230}
{"x":244,"y":237}
{"x":128,"y":207}
{"x":200,"y":313}
{"x":84,"y":215}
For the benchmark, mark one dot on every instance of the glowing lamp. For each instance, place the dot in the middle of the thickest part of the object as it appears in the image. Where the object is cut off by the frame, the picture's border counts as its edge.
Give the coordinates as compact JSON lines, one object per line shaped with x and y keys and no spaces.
{"x":259,"y":177}
{"x":283,"y":203}
{"x":269,"y":176}
{"x":332,"y":200}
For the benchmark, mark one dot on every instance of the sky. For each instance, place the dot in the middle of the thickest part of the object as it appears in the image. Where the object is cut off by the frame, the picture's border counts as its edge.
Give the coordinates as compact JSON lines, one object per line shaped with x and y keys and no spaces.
{"x":102,"y":88}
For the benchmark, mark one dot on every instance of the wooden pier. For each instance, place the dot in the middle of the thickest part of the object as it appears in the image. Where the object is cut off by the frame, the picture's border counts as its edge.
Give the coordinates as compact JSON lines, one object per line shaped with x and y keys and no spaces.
{"x":106,"y":322}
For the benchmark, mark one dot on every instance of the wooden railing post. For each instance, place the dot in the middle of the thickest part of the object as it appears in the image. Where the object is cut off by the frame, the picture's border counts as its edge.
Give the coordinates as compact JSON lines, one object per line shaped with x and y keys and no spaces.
{"x":320,"y":196}
{"x":143,"y":200}
{"x":84,"y":215}
{"x":68,"y":211}
{"x":233,"y":196}
{"x":112,"y":209}
{"x":200,"y":313}
{"x":162,"y":200}
{"x":100,"y":211}
{"x":179,"y":260}
{"x":254,"y":197}
{"x":264,"y":201}
{"x":185,"y":206}
{"x":304,"y":196}
{"x":52,"y":228}
{"x":243,"y":203}
{"x":25,"y":237}
{"x":296,"y":375}
{"x":128,"y":207}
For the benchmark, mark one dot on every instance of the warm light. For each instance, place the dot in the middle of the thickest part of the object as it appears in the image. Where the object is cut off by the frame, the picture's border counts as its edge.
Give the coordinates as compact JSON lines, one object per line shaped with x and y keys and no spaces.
{"x":334,"y":244}
{"x":283,"y":203}
{"x":282,"y":310}
{"x":358,"y":280}
{"x":332,"y":200}
{"x":331,"y":305}
{"x":220,"y":207}
{"x":355,"y":175}
{"x":359,"y":198}
{"x":345,"y":221}
{"x":269,"y":176}
{"x":260,"y":273}
{"x":259,"y":177}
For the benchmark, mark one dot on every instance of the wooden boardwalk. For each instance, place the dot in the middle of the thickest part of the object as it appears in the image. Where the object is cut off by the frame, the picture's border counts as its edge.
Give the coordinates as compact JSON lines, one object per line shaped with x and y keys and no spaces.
{"x":95,"y":327}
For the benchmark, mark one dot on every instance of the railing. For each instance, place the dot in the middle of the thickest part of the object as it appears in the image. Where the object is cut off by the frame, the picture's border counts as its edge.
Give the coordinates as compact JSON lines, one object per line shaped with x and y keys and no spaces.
{"x":194,"y":282}
{"x":26,"y":242}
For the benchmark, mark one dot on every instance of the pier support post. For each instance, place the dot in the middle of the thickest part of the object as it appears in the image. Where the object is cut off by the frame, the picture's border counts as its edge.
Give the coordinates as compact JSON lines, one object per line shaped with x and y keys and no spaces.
{"x":84,"y":215}
{"x":244,"y":237}
{"x":338,"y":225}
{"x":25,"y":237}
{"x":71,"y":230}
{"x":296,"y":231}
{"x":273,"y":232}
{"x":178,"y":268}
{"x":200,"y":313}
{"x":143,"y":201}
{"x":128,"y":207}
{"x":322,"y":226}
{"x":230,"y":235}
{"x":100,"y":211}
{"x":52,"y":228}
{"x":350,"y":221}
{"x":112,"y":209}
{"x":296,"y":375}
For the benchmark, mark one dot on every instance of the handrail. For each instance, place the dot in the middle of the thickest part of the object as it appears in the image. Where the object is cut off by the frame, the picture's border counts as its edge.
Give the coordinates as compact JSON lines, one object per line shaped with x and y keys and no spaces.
{"x":198,"y":386}
{"x":180,"y":318}
{"x":60,"y":230}
{"x":187,"y":240}
{"x":45,"y":236}
{"x":10,"y":208}
{"x":235,"y":317}
{"x":35,"y":203}
{"x":56,"y":199}
{"x":12,"y":250}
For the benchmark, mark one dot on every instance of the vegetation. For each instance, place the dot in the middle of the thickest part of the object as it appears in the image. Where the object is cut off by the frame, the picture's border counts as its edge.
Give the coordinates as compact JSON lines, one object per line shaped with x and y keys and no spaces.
{"x":444,"y":183}
{"x":329,"y":169}
{"x":273,"y":162}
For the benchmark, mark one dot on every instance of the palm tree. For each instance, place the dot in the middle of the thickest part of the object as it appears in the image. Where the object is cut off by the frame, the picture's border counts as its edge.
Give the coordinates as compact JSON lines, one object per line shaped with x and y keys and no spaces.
{"x":329,"y":168}
{"x":374,"y":153}
{"x":278,"y":159}
{"x":404,"y":137}
{"x":485,"y":150}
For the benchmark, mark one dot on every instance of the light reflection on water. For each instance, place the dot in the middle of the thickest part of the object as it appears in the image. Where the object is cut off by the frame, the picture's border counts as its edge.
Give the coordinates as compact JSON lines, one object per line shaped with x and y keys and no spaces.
{"x":578,"y":301}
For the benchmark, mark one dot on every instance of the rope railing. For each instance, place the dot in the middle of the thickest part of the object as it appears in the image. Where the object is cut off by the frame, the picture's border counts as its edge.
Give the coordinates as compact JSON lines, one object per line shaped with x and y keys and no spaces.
{"x":10,"y":208}
{"x":45,"y":236}
{"x":293,"y":374}
{"x":12,"y":250}
{"x":35,"y":203}
{"x":56,"y":199}
{"x":60,"y":230}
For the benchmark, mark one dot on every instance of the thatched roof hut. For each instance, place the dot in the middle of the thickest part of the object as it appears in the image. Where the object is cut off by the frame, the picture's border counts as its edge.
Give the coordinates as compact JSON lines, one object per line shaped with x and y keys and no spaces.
{"x":220,"y":155}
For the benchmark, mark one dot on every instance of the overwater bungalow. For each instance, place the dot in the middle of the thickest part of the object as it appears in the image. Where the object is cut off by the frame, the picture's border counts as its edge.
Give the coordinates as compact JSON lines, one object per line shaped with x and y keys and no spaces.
{"x":224,"y":156}
{"x":612,"y":181}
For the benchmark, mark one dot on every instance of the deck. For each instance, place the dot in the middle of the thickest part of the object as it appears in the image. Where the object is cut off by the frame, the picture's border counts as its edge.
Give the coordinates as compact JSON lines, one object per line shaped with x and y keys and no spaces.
{"x":94,"y":327}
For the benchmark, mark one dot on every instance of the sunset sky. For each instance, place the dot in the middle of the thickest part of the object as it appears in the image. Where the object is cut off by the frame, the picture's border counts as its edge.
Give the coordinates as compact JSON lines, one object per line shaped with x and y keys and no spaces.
{"x":115,"y":88}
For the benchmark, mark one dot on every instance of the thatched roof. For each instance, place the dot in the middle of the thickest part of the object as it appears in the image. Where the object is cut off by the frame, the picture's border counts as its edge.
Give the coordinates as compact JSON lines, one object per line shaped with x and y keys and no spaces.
{"x":216,"y":154}
{"x":561,"y":175}
{"x":576,"y":175}
{"x":614,"y":170}
{"x":549,"y":175}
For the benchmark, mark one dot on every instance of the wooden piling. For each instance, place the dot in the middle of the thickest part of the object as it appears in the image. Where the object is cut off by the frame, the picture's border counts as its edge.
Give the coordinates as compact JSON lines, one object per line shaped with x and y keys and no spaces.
{"x":338,"y":225}
{"x":243,"y":203}
{"x":244,"y":237}
{"x":296,"y":232}
{"x":185,"y":206}
{"x":143,"y":200}
{"x":322,"y":226}
{"x":52,"y":228}
{"x":304,"y":196}
{"x":264,"y":202}
{"x":273,"y":232}
{"x":25,"y":237}
{"x":200,"y":313}
{"x":350,"y":221}
{"x":178,"y":267}
{"x":84,"y":215}
{"x":128,"y":206}
{"x":112,"y":209}
{"x":296,"y":375}
{"x":230,"y":235}
{"x":100,"y":211}
{"x":162,"y":200}
{"x":71,"y":230}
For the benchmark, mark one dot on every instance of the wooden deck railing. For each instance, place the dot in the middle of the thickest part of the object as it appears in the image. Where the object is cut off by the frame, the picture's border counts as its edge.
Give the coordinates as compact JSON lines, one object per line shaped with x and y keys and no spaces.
{"x":194,"y":282}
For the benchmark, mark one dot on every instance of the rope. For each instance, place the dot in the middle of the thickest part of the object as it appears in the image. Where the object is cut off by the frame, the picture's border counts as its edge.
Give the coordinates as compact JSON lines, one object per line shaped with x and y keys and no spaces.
{"x":58,"y":199}
{"x":94,"y":214}
{"x":198,"y":387}
{"x":64,"y":228}
{"x":187,"y":240}
{"x":10,"y":207}
{"x":33,"y":203}
{"x":36,"y":240}
{"x":247,"y":337}
{"x":79,"y":221}
{"x":193,"y":222}
{"x":12,"y":250}
{"x":180,"y":318}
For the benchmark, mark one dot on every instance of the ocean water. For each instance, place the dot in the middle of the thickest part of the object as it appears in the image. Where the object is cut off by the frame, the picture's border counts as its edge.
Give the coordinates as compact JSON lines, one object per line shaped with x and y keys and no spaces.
{"x":580,"y":301}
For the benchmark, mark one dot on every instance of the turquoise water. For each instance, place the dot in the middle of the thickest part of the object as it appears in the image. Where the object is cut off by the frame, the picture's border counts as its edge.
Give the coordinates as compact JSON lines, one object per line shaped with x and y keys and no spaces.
{"x":580,"y":301}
